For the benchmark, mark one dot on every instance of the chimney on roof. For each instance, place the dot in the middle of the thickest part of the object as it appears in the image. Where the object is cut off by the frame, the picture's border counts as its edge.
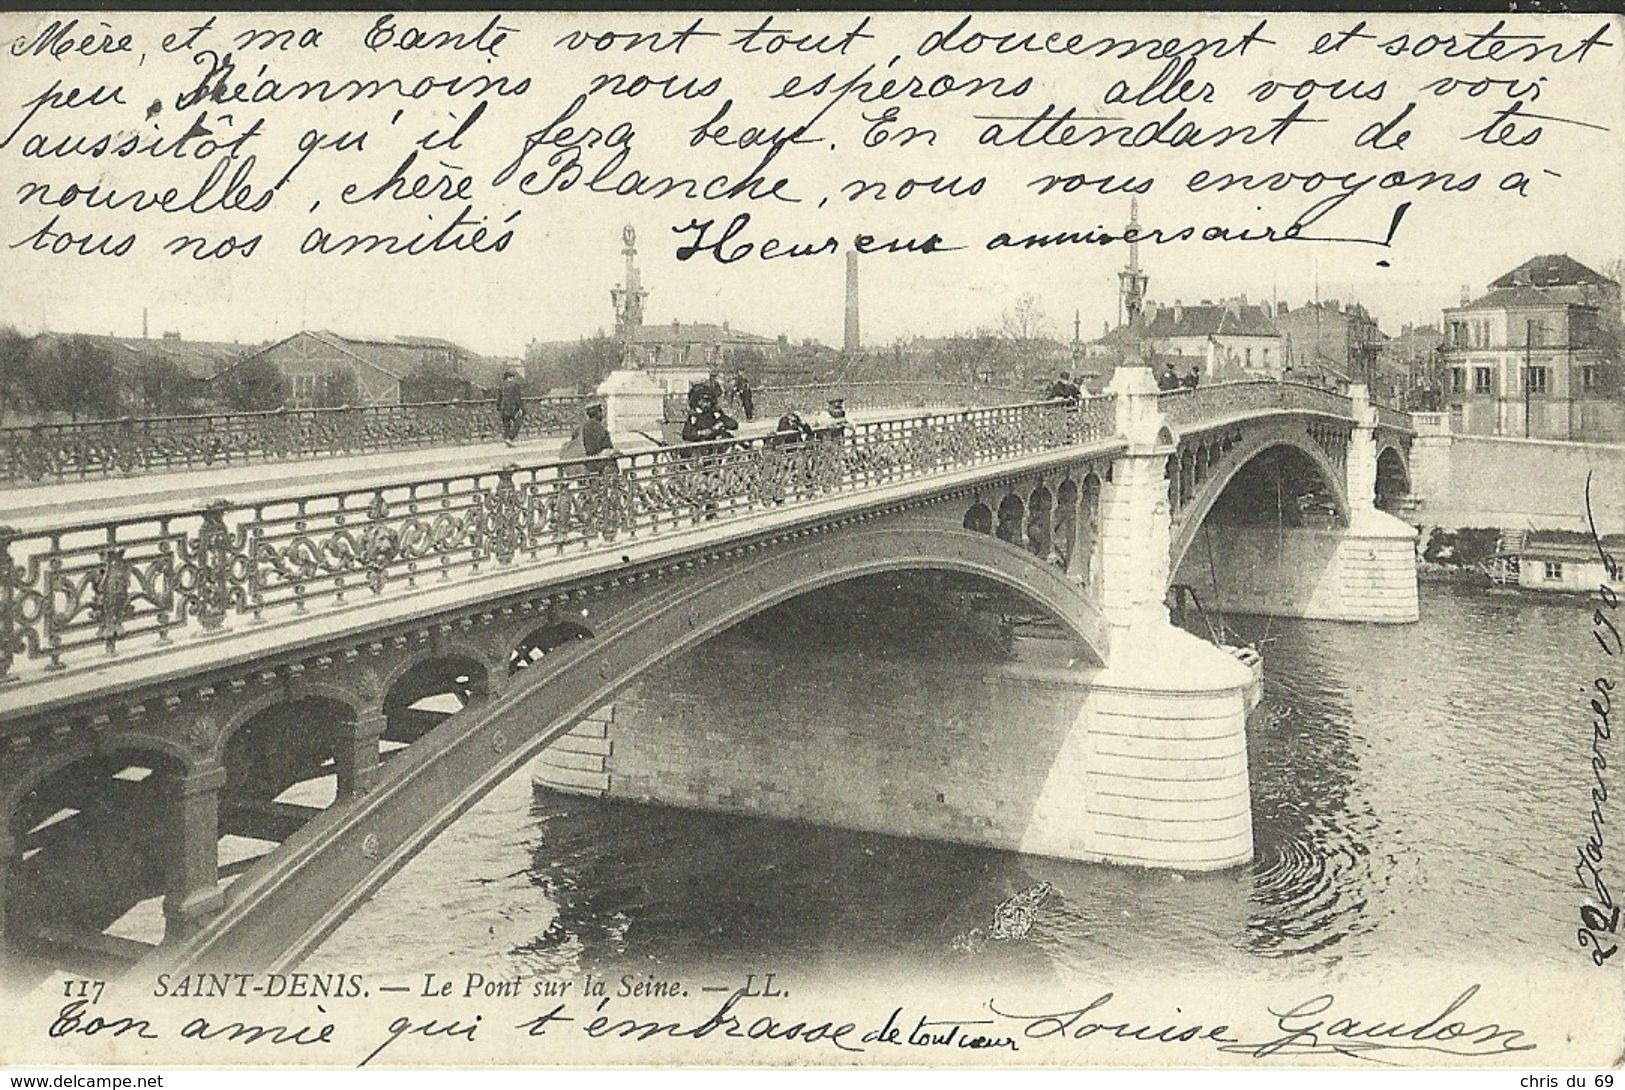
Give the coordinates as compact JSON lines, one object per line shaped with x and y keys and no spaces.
{"x":1282,"y":309}
{"x":1466,"y":294}
{"x":724,"y":325}
{"x":853,"y":339}
{"x":1179,"y":310}
{"x":172,"y":334}
{"x":143,"y":323}
{"x":674,"y":326}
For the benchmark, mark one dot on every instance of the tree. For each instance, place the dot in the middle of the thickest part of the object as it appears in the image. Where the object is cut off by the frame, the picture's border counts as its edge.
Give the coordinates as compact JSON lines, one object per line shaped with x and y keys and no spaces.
{"x":1025,"y":321}
{"x":582,"y":366}
{"x":15,"y":354}
{"x":253,"y":385}
{"x":74,"y":375}
{"x":435,"y":382}
{"x":164,"y":387}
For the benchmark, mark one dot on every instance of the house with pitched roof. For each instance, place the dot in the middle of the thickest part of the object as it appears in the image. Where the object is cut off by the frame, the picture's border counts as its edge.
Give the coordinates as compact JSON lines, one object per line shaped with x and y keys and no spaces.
{"x":1537,"y":355}
{"x":379,"y":365}
{"x":1229,"y":340}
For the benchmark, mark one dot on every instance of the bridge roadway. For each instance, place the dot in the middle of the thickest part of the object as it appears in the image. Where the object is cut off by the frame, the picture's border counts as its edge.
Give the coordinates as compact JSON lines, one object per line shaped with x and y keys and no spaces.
{"x":33,"y":506}
{"x":281,"y":567}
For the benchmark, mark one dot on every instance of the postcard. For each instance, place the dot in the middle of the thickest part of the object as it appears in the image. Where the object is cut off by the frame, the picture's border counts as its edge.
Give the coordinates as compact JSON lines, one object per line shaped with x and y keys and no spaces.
{"x":789,"y":538}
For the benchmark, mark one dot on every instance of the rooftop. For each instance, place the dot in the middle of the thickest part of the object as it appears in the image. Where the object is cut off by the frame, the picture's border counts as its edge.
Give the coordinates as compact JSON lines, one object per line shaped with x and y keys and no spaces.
{"x":1550,"y":270}
{"x":1211,"y":320}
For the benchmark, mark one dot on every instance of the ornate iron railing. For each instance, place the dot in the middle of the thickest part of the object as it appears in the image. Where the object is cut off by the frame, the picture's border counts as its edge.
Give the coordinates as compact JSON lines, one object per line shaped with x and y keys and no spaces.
{"x":771,"y":402}
{"x":1226,"y":399}
{"x":103,"y":586}
{"x":98,"y":448}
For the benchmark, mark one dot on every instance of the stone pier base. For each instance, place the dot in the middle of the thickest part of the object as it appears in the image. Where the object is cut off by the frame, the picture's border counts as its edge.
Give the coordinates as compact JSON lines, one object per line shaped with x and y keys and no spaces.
{"x":1144,"y":765}
{"x":1155,"y":772}
{"x":1365,"y":573}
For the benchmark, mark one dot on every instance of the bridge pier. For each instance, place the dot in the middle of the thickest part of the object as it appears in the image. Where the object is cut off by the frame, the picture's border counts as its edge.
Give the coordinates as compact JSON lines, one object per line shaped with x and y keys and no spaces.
{"x":194,"y":873}
{"x":1164,"y":728}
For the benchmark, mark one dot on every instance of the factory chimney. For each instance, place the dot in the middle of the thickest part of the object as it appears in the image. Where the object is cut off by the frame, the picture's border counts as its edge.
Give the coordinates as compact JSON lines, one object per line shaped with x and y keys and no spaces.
{"x":853,"y":341}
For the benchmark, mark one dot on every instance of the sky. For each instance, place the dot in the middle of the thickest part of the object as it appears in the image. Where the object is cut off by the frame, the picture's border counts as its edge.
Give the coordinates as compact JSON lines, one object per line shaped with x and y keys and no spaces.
{"x":553,"y":278}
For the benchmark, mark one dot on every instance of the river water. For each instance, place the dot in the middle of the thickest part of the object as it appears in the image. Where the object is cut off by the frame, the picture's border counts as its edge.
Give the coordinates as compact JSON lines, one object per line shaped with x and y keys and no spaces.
{"x":1418,"y":792}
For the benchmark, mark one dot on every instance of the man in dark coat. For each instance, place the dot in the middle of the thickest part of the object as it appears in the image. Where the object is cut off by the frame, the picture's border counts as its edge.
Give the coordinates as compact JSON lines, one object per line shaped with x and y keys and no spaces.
{"x":510,"y":406}
{"x":1193,"y":379}
{"x":1063,"y":389}
{"x":746,"y":396}
{"x":706,"y":422}
{"x":595,"y":439}
{"x":1169,"y":379}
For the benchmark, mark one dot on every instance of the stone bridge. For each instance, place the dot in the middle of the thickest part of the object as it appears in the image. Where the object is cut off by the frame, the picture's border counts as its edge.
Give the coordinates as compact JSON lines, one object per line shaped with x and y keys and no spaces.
{"x":168,"y":675}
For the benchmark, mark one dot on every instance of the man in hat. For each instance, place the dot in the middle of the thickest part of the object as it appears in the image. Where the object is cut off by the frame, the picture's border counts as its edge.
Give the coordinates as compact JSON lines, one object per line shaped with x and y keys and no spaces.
{"x":1193,"y":379}
{"x":707,"y":423}
{"x":595,"y":439}
{"x":510,"y":406}
{"x":1169,"y":379}
{"x":831,"y":423}
{"x":746,"y":396}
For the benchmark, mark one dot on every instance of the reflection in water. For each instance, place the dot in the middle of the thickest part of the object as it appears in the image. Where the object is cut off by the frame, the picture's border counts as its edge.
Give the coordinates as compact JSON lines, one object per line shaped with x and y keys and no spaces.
{"x":1415,"y":795}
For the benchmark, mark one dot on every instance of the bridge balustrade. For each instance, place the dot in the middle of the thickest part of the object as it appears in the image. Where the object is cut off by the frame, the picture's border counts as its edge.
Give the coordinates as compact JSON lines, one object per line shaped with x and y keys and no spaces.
{"x":99,"y":448}
{"x":67,"y":593}
{"x":1394,"y":418}
{"x":1227,"y":399}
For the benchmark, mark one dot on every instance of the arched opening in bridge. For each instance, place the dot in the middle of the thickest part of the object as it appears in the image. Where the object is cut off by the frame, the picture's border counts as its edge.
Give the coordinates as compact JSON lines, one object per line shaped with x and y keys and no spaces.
{"x":1251,"y":550}
{"x":1393,"y":480}
{"x":1040,"y":533}
{"x":979,"y":519}
{"x":1085,"y":565}
{"x":1010,"y":518}
{"x":543,"y":641}
{"x":1279,"y":486}
{"x":429,"y":691}
{"x":92,"y":858}
{"x":1066,"y":523}
{"x":282,"y":769}
{"x":879,"y":702}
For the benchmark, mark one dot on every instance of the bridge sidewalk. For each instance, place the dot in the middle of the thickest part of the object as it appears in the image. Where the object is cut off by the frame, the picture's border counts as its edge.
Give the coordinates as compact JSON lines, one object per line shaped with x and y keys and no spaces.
{"x":39,"y":507}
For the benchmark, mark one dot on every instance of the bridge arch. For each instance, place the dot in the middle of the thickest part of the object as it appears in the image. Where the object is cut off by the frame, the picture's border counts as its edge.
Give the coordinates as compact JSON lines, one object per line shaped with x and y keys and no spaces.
{"x":1227,"y":465}
{"x":456,"y":672}
{"x":1393,"y":475}
{"x":280,"y":910}
{"x":80,"y":853}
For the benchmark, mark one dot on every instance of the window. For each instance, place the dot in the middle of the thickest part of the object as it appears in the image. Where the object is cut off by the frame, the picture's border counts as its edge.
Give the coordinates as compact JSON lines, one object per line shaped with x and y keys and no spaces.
{"x":1590,"y":376}
{"x":1483,"y":383}
{"x":1249,"y":361}
{"x":1536,"y":378}
{"x":1554,"y":571}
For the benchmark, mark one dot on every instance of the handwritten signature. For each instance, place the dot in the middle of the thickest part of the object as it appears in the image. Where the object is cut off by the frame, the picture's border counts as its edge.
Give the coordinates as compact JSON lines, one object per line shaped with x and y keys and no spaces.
{"x":1602,"y":916}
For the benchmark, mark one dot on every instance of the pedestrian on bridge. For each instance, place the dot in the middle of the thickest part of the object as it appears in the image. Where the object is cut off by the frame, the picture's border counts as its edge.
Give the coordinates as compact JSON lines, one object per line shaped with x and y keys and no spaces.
{"x":596,"y":444}
{"x":746,"y":396}
{"x":510,"y":406}
{"x":1193,"y":379}
{"x":1064,"y":389}
{"x":1169,"y":379}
